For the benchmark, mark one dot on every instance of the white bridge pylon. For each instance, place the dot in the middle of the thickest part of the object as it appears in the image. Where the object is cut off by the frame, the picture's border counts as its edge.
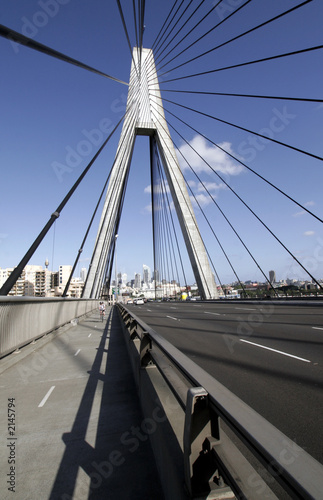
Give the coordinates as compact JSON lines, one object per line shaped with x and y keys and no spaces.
{"x":145,"y":116}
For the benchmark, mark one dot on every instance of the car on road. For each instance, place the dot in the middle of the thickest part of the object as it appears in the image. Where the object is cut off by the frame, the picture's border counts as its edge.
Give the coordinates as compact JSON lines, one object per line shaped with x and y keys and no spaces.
{"x":139,"y":301}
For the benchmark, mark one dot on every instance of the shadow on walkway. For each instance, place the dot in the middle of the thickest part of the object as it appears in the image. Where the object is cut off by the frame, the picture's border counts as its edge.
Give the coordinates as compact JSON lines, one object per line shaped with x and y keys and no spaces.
{"x":121,"y":465}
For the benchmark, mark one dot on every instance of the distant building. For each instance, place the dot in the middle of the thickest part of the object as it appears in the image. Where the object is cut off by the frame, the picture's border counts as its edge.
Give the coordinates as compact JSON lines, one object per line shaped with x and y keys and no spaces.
{"x":156,"y":277}
{"x":43,"y":283}
{"x":119,"y":279}
{"x":18,"y":288}
{"x":146,"y":274}
{"x":63,"y":275}
{"x":4,"y":275}
{"x":76,"y":288}
{"x":137,"y":283}
{"x":272,"y":276}
{"x":31,"y":282}
{"x":83,"y":274}
{"x":35,"y":281}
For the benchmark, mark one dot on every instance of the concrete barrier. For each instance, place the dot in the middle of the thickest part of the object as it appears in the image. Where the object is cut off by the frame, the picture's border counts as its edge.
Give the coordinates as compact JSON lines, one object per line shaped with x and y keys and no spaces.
{"x":24,"y":319}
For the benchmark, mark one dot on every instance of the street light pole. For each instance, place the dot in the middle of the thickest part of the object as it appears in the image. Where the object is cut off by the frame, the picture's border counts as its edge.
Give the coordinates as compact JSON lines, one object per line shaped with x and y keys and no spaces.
{"x":115,"y":263}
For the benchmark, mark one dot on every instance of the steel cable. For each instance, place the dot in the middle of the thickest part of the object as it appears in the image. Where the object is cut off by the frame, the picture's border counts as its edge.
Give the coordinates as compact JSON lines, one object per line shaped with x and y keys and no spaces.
{"x":265,"y":23}
{"x":14,"y":36}
{"x":247,"y":130}
{"x":255,"y":215}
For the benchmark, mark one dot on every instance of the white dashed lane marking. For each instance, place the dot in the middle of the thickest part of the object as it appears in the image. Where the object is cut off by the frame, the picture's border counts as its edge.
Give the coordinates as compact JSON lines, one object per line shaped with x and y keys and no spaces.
{"x":275,"y":350}
{"x":43,"y":401}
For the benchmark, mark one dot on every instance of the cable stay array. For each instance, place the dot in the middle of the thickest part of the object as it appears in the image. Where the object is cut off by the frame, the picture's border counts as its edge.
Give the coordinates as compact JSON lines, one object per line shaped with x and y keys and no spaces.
{"x":237,"y":37}
{"x":187,"y":35}
{"x":189,"y":119}
{"x":202,"y":36}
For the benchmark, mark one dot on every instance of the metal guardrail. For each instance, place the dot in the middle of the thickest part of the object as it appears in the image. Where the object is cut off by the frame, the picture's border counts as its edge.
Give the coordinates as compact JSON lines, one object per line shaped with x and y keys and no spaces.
{"x":212,"y":463}
{"x":24,"y":319}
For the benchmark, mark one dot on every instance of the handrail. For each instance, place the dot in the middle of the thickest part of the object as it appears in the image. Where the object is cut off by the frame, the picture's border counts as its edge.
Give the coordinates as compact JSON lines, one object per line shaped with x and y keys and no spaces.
{"x":296,"y":471}
{"x":24,"y":319}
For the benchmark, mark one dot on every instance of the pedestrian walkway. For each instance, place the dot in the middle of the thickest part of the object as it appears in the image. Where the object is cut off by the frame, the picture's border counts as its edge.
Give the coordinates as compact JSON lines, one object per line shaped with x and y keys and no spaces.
{"x":77,"y":418}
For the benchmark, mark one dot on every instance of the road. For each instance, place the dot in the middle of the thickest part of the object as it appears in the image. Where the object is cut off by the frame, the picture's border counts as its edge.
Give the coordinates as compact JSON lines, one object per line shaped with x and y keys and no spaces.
{"x":271,"y":356}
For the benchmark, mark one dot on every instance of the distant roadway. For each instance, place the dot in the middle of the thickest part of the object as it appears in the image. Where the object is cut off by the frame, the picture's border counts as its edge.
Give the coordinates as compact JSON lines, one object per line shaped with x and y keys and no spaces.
{"x":269,"y":355}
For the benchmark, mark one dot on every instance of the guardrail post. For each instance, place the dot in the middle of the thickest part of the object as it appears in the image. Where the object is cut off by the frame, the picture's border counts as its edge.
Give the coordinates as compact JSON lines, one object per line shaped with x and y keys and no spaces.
{"x":145,"y":347}
{"x":132,"y":327}
{"x":201,"y":432}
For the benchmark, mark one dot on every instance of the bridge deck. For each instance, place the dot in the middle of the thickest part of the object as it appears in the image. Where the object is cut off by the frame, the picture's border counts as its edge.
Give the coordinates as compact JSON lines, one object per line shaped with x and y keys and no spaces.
{"x":84,"y":441}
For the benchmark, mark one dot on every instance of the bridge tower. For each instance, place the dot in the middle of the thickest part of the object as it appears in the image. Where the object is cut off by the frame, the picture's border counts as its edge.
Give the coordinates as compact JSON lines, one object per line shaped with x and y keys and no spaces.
{"x":145,"y":116}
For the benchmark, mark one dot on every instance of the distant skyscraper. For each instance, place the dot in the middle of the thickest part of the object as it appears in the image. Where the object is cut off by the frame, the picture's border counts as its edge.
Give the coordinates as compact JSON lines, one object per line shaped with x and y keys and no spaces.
{"x":64,"y":273}
{"x":119,"y":278}
{"x":83,"y":274}
{"x":146,"y":274}
{"x":272,"y":276}
{"x":137,"y":280}
{"x":156,"y":277}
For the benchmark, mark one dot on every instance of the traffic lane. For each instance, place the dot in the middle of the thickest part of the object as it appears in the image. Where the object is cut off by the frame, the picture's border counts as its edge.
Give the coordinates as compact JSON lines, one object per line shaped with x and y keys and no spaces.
{"x":281,"y":390}
{"x":312,"y":315}
{"x":261,"y":327}
{"x":285,"y":391}
{"x":209,"y":336}
{"x":298,"y":342}
{"x":225,"y":339}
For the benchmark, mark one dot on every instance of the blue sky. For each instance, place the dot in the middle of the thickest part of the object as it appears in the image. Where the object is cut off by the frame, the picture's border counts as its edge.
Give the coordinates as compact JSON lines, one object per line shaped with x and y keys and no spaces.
{"x":50,"y":108}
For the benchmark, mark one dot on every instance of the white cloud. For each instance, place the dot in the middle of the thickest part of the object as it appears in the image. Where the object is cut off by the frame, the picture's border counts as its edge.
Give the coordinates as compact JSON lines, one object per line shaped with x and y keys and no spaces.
{"x":210,"y":186}
{"x":302,"y":212}
{"x":309,"y":233}
{"x":216,"y":158}
{"x":202,"y":199}
{"x":158,"y":188}
{"x":160,"y":206}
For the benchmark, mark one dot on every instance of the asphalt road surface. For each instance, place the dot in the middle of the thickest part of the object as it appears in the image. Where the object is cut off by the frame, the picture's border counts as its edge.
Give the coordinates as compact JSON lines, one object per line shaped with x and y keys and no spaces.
{"x":269,"y":355}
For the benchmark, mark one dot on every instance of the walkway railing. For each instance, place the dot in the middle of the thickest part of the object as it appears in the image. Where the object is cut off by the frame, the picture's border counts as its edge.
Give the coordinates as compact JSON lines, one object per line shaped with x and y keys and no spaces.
{"x":219,"y":430}
{"x":24,"y":319}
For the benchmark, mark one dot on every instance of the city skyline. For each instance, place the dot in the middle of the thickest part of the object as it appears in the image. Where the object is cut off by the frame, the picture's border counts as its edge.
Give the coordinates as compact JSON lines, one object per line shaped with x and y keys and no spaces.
{"x":139,"y":280}
{"x":65,"y":113}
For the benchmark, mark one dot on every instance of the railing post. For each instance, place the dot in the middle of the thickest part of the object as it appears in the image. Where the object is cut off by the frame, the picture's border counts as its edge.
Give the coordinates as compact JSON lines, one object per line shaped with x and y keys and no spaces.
{"x":201,"y":433}
{"x":145,"y":347}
